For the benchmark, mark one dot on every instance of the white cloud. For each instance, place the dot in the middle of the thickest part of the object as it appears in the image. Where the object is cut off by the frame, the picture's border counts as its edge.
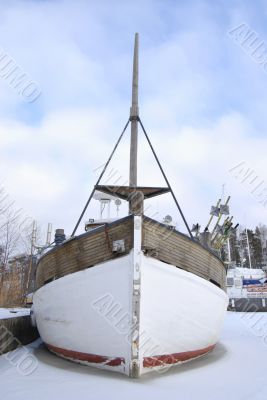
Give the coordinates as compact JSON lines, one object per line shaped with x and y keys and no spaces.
{"x":50,"y":169}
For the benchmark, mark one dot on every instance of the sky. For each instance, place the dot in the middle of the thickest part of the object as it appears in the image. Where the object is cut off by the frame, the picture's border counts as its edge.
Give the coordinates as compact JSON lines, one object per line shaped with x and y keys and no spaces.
{"x":202,"y":97}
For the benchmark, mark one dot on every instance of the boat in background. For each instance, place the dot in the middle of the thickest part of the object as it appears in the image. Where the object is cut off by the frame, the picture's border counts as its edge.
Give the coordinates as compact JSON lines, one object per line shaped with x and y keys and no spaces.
{"x":247,"y":289}
{"x":133,"y":294}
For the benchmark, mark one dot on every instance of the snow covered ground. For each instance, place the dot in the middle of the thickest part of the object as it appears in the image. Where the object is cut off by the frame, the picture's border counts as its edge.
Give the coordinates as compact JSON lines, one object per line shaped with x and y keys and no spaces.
{"x":13,"y":312}
{"x":235,"y":370}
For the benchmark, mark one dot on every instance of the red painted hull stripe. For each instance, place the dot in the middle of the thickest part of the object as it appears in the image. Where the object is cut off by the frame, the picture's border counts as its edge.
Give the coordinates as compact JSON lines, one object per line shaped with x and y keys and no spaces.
{"x":157,"y":361}
{"x":148,"y":362}
{"x":91,"y":358}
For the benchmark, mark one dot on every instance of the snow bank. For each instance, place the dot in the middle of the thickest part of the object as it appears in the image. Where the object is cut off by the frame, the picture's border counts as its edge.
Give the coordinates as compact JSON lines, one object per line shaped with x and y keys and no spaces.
{"x":13,"y":312}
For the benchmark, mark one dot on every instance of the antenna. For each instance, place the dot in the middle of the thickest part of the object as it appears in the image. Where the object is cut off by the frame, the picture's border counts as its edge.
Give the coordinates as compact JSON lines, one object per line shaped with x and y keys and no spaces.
{"x":34,"y":237}
{"x":249,"y":255}
{"x":223,"y":190}
{"x":49,"y":233}
{"x":214,"y":212}
{"x":223,"y":211}
{"x":118,"y":203}
{"x":34,"y":230}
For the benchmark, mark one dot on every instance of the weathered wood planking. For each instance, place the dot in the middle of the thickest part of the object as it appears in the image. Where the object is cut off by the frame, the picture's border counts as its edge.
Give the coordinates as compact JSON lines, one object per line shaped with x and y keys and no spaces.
{"x":177,"y":249}
{"x":84,"y":251}
{"x":159,"y":241}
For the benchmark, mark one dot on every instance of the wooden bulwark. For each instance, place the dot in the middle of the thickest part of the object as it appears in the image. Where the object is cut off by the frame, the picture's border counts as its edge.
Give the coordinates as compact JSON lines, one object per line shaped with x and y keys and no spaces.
{"x":172,"y":247}
{"x":159,"y":241}
{"x":84,"y":251}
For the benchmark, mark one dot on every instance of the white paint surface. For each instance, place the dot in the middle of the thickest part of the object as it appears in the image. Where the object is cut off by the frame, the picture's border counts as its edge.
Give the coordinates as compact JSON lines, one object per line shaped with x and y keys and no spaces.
{"x":180,"y":311}
{"x":235,"y":370}
{"x":82,"y":311}
{"x":91,"y":311}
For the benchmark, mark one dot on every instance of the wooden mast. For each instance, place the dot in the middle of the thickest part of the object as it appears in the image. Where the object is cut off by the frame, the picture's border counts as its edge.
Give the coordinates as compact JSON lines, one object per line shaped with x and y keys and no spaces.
{"x":134,"y":112}
{"x":136,"y":199}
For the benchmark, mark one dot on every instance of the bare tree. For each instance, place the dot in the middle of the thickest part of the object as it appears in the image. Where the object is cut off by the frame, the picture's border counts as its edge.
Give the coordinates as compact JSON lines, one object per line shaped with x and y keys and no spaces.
{"x":15,"y":250}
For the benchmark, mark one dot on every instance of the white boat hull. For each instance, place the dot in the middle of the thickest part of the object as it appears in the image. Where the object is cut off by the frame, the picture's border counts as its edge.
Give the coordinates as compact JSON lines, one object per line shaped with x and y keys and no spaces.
{"x":89,"y":316}
{"x":181,"y":313}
